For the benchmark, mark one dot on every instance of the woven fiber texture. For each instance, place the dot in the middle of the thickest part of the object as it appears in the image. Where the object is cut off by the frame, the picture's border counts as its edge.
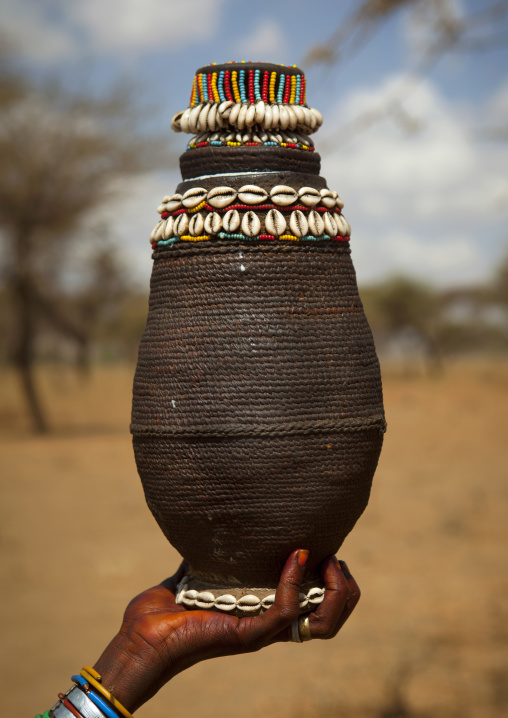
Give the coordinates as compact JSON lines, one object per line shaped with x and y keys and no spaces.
{"x":209,"y":161}
{"x":257,"y":414}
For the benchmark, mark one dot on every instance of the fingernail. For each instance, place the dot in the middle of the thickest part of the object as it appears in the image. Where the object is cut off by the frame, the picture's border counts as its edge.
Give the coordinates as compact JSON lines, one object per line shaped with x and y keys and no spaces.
{"x":303,"y":555}
{"x":337,"y":563}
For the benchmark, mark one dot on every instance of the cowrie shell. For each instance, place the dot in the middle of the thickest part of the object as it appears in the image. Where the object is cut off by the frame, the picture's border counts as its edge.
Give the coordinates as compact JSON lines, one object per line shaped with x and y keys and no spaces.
{"x":316,"y":595}
{"x":307,"y":117}
{"x":283,"y":195}
{"x":194,"y":117}
{"x":339,"y":202}
{"x":250,"y":116}
{"x":155,"y":230}
{"x":242,"y":116}
{"x":231,"y":220}
{"x":275,"y":223}
{"x":249,"y":602}
{"x":300,"y":117}
{"x":205,"y":599}
{"x":316,"y":224}
{"x":293,"y":121}
{"x":317,"y":114}
{"x":193,"y":197}
{"x":327,"y":198}
{"x":225,"y":108}
{"x":212,"y":118}
{"x":309,"y":196}
{"x":227,"y":602}
{"x":247,"y":137}
{"x":298,"y":223}
{"x":233,"y":115}
{"x":343,"y":227}
{"x":181,"y":225}
{"x":220,"y":197}
{"x":213,"y":223}
{"x":175,"y":122}
{"x":196,"y":225}
{"x":252,"y":194}
{"x":174,"y":203}
{"x":203,"y":117}
{"x":283,"y":117}
{"x":305,"y":140}
{"x":260,"y":112}
{"x":161,"y":208}
{"x":330,"y":224}
{"x":168,"y":229}
{"x":267,"y":122}
{"x":275,"y":116}
{"x":184,"y":120}
{"x":268,"y":601}
{"x":189,"y":597}
{"x":251,"y":226}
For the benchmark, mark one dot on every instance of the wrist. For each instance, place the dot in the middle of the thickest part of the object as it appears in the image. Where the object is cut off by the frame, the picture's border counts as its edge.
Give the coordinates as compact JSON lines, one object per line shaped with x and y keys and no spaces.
{"x":127,"y":671}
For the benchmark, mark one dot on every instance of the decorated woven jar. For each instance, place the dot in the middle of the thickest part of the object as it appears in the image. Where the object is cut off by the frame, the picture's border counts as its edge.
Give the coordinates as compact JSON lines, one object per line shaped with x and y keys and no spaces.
{"x":257,"y":416}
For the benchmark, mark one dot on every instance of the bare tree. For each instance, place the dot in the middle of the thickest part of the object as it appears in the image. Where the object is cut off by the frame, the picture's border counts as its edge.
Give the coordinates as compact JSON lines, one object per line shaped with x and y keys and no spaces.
{"x":60,"y":154}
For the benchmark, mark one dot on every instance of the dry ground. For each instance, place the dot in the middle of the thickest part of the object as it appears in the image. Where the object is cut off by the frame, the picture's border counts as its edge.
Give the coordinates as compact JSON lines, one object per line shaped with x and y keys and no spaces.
{"x":429,"y":637}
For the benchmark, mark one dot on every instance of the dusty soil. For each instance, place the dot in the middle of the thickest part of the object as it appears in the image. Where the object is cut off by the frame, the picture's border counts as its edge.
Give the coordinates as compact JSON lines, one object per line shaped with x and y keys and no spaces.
{"x":429,"y":637}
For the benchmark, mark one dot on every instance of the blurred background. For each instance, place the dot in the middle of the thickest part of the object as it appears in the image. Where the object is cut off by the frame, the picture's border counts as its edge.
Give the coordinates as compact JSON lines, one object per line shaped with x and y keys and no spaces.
{"x":415,"y":99}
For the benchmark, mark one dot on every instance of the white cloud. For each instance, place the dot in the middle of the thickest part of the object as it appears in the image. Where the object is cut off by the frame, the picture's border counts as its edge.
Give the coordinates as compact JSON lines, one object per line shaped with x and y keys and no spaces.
{"x":59,"y":28}
{"x":426,"y":203}
{"x":266,"y":43}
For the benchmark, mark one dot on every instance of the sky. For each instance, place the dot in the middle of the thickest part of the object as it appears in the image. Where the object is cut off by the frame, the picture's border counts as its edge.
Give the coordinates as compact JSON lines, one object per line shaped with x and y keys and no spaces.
{"x":427,"y":196}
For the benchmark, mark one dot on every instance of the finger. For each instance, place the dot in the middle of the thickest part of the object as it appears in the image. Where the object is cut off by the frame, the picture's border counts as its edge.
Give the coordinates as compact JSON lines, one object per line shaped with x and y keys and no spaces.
{"x":353,"y":598}
{"x":262,"y":630}
{"x":324,"y":621}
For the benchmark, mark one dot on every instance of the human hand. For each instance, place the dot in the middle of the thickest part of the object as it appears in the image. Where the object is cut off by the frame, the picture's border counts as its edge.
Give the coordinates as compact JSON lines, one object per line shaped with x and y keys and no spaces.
{"x":160,"y":638}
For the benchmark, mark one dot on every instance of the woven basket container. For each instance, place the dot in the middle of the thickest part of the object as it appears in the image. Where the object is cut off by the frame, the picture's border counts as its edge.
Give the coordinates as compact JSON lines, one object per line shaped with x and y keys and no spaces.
{"x":257,"y":416}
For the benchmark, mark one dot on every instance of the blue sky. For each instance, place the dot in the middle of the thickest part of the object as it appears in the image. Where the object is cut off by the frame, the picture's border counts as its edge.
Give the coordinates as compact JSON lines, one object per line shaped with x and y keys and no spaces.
{"x":433,"y":203}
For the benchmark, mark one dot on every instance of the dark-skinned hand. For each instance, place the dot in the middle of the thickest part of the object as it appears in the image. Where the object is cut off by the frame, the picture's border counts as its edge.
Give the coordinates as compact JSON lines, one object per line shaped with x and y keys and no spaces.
{"x":159,"y":638}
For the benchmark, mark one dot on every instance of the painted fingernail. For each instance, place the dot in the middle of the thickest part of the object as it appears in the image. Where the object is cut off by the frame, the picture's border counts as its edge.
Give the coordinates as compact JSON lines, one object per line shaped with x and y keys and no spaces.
{"x":303,"y":555}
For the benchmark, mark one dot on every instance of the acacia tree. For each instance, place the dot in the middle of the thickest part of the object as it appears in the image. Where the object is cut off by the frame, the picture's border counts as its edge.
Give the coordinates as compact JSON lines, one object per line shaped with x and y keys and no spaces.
{"x":60,"y":154}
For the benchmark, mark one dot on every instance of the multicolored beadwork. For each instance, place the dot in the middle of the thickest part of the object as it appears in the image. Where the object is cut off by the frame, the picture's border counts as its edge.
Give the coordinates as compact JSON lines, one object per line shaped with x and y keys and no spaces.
{"x":236,"y":81}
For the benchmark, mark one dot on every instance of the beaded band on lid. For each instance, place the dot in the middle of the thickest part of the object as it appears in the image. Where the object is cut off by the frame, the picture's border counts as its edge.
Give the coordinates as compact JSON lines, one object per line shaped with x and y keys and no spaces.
{"x":243,"y":95}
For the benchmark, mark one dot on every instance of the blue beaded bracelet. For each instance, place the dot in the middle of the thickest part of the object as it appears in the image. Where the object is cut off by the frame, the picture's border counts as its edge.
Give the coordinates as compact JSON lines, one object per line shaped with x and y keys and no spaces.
{"x":99,"y":702}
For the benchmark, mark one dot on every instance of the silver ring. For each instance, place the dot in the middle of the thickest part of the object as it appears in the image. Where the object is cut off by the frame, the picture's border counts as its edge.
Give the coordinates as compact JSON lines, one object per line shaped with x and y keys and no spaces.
{"x":295,"y":631}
